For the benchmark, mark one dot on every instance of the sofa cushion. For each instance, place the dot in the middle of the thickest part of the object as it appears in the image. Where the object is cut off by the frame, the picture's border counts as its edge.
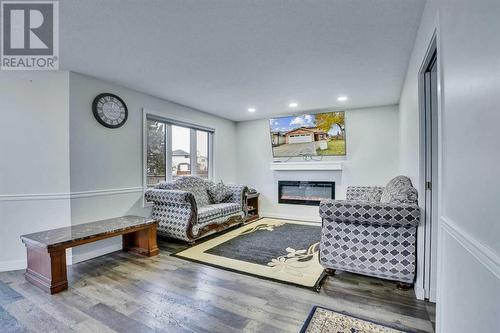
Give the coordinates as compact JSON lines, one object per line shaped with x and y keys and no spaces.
{"x":218,"y":192}
{"x":399,"y":190}
{"x":211,"y":212}
{"x":357,"y":192}
{"x":197,"y":186}
{"x":372,"y":195}
{"x":165,"y":186}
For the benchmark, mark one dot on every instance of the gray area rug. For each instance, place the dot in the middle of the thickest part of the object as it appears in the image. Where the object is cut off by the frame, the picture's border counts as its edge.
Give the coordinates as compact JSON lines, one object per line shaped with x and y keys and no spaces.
{"x":262,"y":246}
{"x":280,"y":250}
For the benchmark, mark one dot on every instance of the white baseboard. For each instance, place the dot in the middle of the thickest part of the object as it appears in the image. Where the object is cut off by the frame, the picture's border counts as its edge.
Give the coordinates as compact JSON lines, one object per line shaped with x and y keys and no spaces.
{"x":290,"y":217}
{"x":12,"y":265}
{"x":96,"y":253}
{"x":419,"y":292}
{"x":433,"y":295}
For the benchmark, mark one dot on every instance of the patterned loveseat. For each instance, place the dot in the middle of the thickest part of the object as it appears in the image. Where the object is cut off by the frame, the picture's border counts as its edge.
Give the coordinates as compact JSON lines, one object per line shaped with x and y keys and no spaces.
{"x":187,"y":212}
{"x":373,"y":232}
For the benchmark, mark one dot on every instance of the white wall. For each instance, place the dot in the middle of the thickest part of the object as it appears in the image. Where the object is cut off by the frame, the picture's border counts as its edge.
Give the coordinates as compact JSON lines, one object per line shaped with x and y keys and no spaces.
{"x":372,"y":159}
{"x":34,"y":158}
{"x":60,"y":167}
{"x":409,"y":144}
{"x":469,"y":243}
{"x":106,"y":164}
{"x":409,"y":103}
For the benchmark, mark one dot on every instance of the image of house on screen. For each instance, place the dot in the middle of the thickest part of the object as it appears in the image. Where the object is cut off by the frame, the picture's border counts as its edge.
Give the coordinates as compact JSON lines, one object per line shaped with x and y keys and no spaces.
{"x":308,"y":135}
{"x":305,"y":134}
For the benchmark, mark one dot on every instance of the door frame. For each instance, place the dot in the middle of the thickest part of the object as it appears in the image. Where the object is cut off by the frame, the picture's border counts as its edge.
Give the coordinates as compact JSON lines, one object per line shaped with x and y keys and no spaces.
{"x":427,"y":288}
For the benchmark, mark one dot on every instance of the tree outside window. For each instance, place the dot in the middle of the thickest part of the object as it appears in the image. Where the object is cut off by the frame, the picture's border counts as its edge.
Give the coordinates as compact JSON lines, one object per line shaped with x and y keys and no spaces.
{"x":166,"y":161}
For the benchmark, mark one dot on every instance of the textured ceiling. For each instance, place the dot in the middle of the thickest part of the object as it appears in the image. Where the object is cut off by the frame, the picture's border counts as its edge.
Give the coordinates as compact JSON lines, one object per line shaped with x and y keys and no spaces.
{"x":223,"y":57}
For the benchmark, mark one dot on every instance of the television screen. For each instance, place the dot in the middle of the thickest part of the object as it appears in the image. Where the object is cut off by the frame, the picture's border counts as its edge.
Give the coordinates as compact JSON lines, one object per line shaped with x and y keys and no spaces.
{"x":321,"y":134}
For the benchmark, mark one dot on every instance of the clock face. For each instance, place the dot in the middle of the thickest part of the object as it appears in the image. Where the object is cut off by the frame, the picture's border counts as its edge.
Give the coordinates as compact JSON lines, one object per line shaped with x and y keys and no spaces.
{"x":110,"y":110}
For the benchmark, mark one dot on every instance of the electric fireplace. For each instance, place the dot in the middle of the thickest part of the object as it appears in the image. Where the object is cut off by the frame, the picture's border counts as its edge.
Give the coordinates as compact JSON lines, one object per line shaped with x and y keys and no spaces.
{"x":305,"y":192}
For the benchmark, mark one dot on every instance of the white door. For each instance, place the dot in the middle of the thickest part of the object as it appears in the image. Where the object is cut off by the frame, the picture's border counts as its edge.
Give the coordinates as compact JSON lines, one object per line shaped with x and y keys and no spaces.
{"x":300,"y":138}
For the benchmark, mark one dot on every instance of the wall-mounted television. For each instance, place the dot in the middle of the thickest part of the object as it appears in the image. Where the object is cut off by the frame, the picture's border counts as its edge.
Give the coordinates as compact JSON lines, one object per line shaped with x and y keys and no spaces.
{"x":320,"y":134}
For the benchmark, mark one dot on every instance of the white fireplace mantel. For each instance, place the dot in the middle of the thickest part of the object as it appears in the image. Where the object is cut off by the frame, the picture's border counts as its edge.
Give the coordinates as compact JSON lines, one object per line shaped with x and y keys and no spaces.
{"x":306,"y":166}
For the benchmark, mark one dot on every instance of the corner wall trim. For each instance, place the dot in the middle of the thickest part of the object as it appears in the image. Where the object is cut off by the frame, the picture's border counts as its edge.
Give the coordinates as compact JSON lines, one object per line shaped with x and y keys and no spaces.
{"x":481,"y":252}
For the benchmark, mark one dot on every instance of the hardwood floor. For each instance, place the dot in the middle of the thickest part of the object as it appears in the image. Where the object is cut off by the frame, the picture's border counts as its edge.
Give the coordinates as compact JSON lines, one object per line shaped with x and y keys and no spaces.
{"x":121,"y":292}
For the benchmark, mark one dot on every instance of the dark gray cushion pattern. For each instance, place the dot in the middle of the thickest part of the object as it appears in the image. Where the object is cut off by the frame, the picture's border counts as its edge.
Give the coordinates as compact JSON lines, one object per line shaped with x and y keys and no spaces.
{"x":384,"y":251}
{"x":369,"y":212}
{"x":218,"y":192}
{"x":196,"y":185}
{"x":362,"y":235}
{"x":174,"y":209}
{"x":372,"y":195}
{"x":237,"y":194}
{"x":183,"y":206}
{"x":170,"y":197}
{"x":166,"y":186}
{"x":360,"y":192}
{"x":399,"y":190}
{"x":209,"y":213}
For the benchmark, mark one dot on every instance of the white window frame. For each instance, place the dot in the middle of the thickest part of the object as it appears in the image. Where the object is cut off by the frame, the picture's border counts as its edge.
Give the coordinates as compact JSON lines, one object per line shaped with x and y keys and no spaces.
{"x":151,"y":115}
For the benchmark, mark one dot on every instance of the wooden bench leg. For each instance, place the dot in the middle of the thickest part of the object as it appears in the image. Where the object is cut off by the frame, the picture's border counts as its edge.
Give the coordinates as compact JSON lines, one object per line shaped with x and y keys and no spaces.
{"x":142,"y":242}
{"x":47,"y":269}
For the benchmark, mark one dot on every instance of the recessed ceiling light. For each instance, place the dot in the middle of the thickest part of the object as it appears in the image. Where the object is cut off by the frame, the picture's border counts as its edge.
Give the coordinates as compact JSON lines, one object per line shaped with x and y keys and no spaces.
{"x":342,"y":98}
{"x":252,"y":109}
{"x":293,"y":105}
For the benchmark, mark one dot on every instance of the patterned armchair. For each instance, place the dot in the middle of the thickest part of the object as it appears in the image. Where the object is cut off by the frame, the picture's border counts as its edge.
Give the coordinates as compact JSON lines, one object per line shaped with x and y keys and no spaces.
{"x":373,"y":232}
{"x":187,"y":212}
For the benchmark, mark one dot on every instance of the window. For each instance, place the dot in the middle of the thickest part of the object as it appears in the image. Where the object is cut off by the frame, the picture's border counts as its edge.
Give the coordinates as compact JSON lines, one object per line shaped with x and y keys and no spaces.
{"x":181,"y":148}
{"x":174,"y":149}
{"x":156,"y":152}
{"x":202,"y":153}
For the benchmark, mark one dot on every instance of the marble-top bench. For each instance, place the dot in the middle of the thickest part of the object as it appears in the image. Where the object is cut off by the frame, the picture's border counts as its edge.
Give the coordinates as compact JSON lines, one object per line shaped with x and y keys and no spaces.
{"x":47,"y":249}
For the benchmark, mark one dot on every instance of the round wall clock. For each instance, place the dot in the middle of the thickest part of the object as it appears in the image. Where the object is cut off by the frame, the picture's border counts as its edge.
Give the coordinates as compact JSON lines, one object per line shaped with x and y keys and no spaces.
{"x":110,"y":110}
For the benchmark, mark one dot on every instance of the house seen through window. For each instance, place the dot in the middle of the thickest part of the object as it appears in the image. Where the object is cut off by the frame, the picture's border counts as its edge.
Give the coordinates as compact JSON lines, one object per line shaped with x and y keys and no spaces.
{"x":174,"y":151}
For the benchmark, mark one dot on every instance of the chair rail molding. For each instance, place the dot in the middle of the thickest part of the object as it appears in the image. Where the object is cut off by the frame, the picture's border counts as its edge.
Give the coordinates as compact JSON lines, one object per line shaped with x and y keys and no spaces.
{"x":485,"y":255}
{"x":34,"y":196}
{"x":95,"y":193}
{"x":72,"y":195}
